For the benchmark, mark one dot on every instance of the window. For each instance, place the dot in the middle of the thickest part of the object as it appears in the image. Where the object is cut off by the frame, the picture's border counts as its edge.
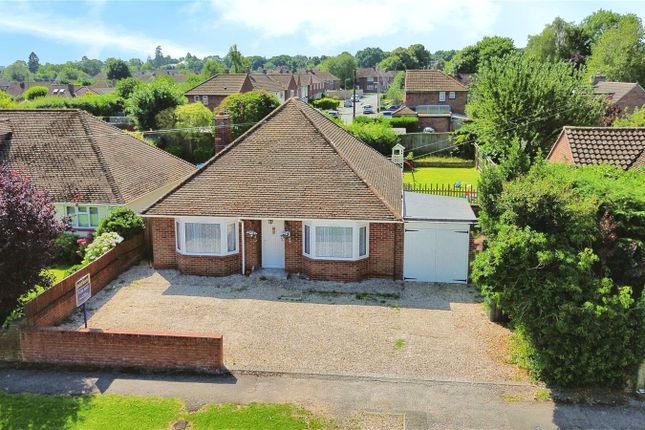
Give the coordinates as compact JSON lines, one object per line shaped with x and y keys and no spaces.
{"x":442,"y":96}
{"x":83,"y":216}
{"x":335,"y":240}
{"x":196,"y":236}
{"x":451,"y":95}
{"x":196,"y":98}
{"x":205,"y":100}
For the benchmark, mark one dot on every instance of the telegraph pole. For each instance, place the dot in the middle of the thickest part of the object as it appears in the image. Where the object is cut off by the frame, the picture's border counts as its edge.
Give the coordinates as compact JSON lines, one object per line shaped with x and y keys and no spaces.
{"x":354,"y":98}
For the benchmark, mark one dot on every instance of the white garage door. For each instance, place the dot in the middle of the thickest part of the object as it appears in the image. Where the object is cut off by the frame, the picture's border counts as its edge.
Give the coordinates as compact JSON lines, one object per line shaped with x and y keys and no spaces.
{"x":435,"y":252}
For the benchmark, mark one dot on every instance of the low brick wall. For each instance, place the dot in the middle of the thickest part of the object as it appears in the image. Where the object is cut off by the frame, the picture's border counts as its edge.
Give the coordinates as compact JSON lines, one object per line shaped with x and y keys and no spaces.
{"x":10,"y":344}
{"x":56,"y":304}
{"x":123,"y":348}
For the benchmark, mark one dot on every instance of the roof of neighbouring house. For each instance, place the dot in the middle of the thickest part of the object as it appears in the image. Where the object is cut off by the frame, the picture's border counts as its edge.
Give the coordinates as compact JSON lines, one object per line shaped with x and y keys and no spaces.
{"x":614,"y":90}
{"x":295,"y":163}
{"x":326,"y":76}
{"x":404,"y":111}
{"x":223,"y":84}
{"x":283,"y":78}
{"x":261,"y":81}
{"x":623,"y":147}
{"x":431,"y":80}
{"x":78,"y":157}
{"x":366,"y":72}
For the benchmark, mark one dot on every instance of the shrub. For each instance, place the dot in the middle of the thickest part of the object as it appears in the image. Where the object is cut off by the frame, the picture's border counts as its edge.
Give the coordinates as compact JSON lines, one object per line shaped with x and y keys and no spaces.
{"x":121,"y":220}
{"x":410,"y":123}
{"x":98,"y":105}
{"x":326,"y":103}
{"x":35,"y":92}
{"x":68,"y":249}
{"x":101,"y":244}
{"x":247,"y":109}
{"x":377,"y":135}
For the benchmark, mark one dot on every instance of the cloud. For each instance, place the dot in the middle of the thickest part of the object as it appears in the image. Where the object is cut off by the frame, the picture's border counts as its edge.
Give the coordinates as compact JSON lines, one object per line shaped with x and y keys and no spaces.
{"x":334,"y":23}
{"x":88,"y":31}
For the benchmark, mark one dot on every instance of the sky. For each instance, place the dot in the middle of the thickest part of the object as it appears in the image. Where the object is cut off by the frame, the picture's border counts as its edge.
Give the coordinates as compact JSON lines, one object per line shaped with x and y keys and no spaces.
{"x":60,"y":31}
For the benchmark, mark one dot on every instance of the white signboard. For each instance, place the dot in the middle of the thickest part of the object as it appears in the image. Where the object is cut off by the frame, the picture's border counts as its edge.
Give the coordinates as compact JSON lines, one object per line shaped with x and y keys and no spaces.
{"x":83,"y":289}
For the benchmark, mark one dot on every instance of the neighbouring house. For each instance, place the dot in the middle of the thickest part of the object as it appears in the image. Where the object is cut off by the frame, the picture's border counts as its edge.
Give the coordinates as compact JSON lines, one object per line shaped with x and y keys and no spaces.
{"x":330,"y":81}
{"x":215,"y":89}
{"x":436,"y":97}
{"x":623,"y":147}
{"x":288,"y":81}
{"x":298,"y":193}
{"x":16,"y":89}
{"x":625,"y":96}
{"x":371,"y":80}
{"x":86,"y":165}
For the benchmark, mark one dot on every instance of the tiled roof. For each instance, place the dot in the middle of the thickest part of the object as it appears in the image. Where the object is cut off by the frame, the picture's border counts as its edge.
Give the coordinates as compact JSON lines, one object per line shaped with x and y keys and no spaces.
{"x":283,"y":78}
{"x":404,"y":111}
{"x":615,"y":90}
{"x":78,"y":157}
{"x":426,"y":81}
{"x":260,"y":81}
{"x":223,"y":84}
{"x":326,"y":76}
{"x":5,"y":127}
{"x":366,"y":72}
{"x":619,"y":146}
{"x":295,"y":163}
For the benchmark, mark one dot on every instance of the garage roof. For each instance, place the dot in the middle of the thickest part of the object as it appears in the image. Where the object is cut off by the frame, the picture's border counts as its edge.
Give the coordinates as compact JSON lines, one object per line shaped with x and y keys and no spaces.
{"x":427,"y":207}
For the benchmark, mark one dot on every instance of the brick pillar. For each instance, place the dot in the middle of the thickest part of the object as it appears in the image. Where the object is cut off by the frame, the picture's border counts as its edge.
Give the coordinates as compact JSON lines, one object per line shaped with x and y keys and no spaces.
{"x":222,"y":131}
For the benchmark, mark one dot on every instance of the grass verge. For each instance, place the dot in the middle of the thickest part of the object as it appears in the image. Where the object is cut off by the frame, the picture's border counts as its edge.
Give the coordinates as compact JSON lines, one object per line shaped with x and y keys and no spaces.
{"x":442,"y":175}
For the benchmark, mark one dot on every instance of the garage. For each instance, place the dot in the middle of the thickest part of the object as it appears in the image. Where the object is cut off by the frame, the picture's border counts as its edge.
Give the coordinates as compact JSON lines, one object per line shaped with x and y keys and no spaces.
{"x":437,"y":238}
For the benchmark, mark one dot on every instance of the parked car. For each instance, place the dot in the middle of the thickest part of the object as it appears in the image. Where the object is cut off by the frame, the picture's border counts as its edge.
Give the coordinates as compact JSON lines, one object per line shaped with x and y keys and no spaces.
{"x":357,"y":98}
{"x":367,"y":109}
{"x":392,"y":108}
{"x":428,"y":130}
{"x":387,"y":113}
{"x":332,"y":113}
{"x":348,"y":103}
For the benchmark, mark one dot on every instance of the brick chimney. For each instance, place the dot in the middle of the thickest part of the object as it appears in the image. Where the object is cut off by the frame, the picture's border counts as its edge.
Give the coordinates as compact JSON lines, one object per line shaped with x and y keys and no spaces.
{"x":598,"y":78}
{"x":222,"y":131}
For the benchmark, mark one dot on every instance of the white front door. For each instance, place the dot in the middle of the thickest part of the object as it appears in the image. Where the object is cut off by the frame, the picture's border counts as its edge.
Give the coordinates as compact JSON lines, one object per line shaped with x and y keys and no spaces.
{"x":272,"y":244}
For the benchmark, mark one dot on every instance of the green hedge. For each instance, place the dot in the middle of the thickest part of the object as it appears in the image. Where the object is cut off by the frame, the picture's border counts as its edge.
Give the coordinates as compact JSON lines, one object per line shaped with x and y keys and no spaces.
{"x":326,"y":103}
{"x":98,"y":105}
{"x":410,"y":123}
{"x":121,"y":220}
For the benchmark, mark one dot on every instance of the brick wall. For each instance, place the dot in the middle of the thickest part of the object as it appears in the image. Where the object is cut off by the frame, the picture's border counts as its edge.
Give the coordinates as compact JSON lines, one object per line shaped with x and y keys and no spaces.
{"x":57,"y":303}
{"x":121,"y":348}
{"x":386,"y":250}
{"x":293,"y":247}
{"x":440,"y":124}
{"x":209,"y":265}
{"x":458,"y":104}
{"x":253,"y":245}
{"x":561,"y":151}
{"x":164,"y":253}
{"x":10,"y":344}
{"x":634,"y":99}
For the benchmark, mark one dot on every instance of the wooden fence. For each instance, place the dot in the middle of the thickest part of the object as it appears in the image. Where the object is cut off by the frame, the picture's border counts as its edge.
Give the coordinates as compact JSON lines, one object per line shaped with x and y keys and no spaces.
{"x":482,"y":161}
{"x":448,"y":190}
{"x":424,"y":143}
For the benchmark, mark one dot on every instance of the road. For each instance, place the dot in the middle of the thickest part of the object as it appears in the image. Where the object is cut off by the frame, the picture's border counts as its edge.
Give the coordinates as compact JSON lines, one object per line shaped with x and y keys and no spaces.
{"x":346,"y":113}
{"x":425,"y":404}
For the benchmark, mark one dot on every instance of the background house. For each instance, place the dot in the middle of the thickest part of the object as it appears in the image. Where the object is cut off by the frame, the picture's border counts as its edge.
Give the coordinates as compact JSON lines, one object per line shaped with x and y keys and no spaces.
{"x":622,"y":147}
{"x":625,"y":96}
{"x":436,"y":97}
{"x":215,"y":89}
{"x":369,"y":79}
{"x":86,"y":165}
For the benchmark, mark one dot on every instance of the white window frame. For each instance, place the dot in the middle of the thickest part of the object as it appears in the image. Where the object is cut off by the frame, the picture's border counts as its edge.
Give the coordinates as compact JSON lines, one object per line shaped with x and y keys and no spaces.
{"x":74,"y":218}
{"x":355,"y":225}
{"x":205,"y":100}
{"x":180,"y":235}
{"x":452,"y":95}
{"x":196,"y":98}
{"x":442,"y":96}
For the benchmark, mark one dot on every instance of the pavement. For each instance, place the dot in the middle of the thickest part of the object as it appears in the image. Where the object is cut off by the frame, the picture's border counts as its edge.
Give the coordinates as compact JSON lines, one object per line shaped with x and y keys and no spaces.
{"x":367,"y":99}
{"x":424,"y":404}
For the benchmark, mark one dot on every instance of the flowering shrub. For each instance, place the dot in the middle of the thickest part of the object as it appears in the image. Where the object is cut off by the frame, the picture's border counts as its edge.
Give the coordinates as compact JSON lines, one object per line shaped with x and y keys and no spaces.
{"x":101,"y":245}
{"x":83,"y":243}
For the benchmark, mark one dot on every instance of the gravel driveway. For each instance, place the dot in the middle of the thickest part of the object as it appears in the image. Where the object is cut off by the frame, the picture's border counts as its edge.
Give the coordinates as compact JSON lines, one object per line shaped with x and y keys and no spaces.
{"x":375,"y":328}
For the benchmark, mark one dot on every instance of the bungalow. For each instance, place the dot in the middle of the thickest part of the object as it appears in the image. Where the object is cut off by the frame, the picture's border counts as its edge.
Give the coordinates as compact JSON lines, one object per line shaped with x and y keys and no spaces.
{"x":436,"y":97}
{"x":623,"y":147}
{"x":625,"y":96}
{"x":212,"y":91}
{"x":298,"y":193}
{"x":86,"y":165}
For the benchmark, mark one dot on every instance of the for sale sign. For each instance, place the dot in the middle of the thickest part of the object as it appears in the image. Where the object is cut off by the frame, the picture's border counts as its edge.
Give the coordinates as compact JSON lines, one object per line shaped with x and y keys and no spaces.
{"x":83,"y":290}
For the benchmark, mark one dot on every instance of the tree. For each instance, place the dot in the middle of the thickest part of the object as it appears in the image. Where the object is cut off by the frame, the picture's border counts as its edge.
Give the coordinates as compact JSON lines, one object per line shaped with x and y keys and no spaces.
{"x":5,"y":101}
{"x":33,"y":62}
{"x":519,"y":97}
{"x":619,"y":52}
{"x":35,"y":92}
{"x":125,"y":87}
{"x":247,"y":109}
{"x":598,"y":22}
{"x":28,"y":230}
{"x":212,"y":67}
{"x":395,"y":90}
{"x":18,"y":71}
{"x":471,"y":58}
{"x":341,"y":66}
{"x":369,"y":57}
{"x":560,"y":40}
{"x":393,"y":62}
{"x":117,"y":69}
{"x":91,"y":67}
{"x":148,"y":100}
{"x":409,"y":61}
{"x":239,"y":64}
{"x":440,"y":58}
{"x":420,"y":54}
{"x":635,"y":119}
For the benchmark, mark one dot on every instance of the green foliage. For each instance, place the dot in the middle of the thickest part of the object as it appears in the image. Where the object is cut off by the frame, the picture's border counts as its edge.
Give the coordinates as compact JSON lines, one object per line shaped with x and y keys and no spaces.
{"x":212,"y":67}
{"x":519,"y":97}
{"x":18,"y":312}
{"x":239,"y":64}
{"x":326,"y":103}
{"x":471,"y":58}
{"x":18,"y":71}
{"x":410,"y":123}
{"x":5,"y":101}
{"x":247,"y":109}
{"x":559,"y":40}
{"x":125,"y":87}
{"x":395,"y":91}
{"x":67,"y":249}
{"x":378,"y":135}
{"x":369,"y":57}
{"x":634,"y":119}
{"x":254,"y":416}
{"x":117,"y":69}
{"x":149,"y":99}
{"x":35,"y":92}
{"x":121,"y":220}
{"x":565,"y":259}
{"x":393,"y":62}
{"x":99,"y":105}
{"x":33,"y":62}
{"x":101,"y":244}
{"x":619,"y":52}
{"x":342,"y":66}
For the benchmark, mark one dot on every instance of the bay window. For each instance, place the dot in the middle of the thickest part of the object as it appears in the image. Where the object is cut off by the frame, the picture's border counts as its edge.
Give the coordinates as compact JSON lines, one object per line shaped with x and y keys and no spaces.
{"x":335,"y":240}
{"x":195,"y":236}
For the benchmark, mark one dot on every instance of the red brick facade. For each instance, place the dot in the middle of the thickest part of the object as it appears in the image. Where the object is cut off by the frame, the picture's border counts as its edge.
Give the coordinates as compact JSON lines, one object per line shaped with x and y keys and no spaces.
{"x":457,"y":105}
{"x":440,"y":124}
{"x":385,"y":254}
{"x":631,"y":101}
{"x":561,"y":151}
{"x":121,"y":348}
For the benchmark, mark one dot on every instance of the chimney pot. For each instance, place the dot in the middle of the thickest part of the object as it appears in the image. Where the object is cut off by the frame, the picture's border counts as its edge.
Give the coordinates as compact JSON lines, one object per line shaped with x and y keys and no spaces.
{"x":223,"y":132}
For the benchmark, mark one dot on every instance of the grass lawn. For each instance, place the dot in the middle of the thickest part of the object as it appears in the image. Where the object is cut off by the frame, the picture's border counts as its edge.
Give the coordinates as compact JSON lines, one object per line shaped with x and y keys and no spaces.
{"x":58,"y":270}
{"x":442,"y":175}
{"x":110,"y":411}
